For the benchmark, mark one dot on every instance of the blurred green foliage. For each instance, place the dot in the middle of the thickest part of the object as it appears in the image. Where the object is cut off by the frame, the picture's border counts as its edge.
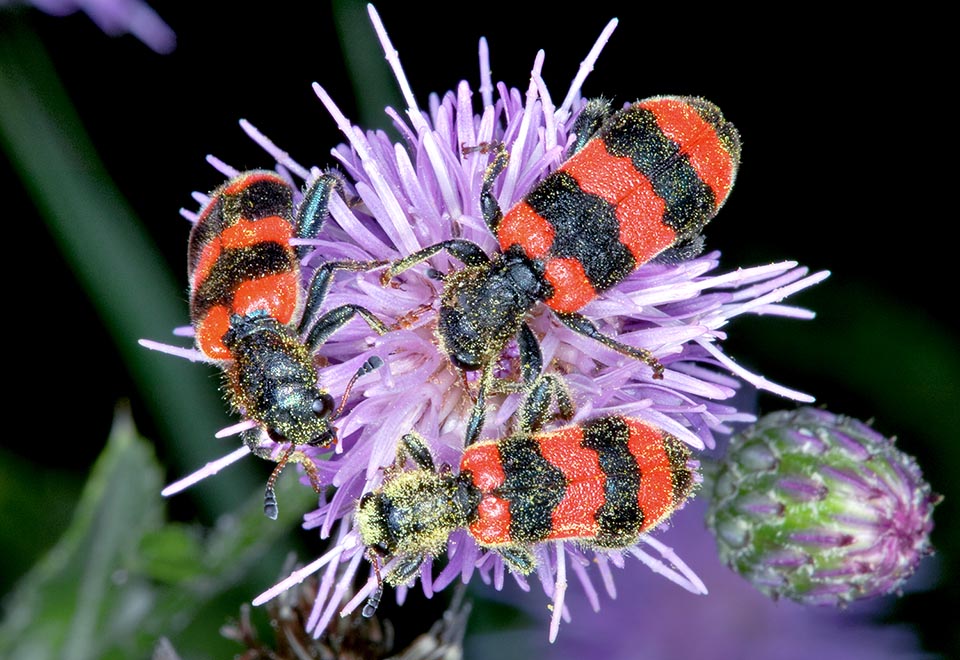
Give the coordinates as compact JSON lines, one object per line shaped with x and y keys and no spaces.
{"x":121,"y":576}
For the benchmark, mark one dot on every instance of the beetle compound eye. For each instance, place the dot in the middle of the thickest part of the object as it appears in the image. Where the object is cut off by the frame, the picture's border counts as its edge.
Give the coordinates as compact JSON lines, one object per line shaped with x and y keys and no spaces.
{"x":380,"y":550}
{"x":323,"y":405}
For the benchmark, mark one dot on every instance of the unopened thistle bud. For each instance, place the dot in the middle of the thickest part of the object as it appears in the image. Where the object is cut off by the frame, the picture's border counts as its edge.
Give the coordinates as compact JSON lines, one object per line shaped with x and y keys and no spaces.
{"x":820,"y":508}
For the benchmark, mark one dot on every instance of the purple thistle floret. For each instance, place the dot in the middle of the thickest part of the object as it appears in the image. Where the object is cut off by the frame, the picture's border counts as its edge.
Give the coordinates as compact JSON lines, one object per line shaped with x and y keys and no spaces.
{"x":116,"y":17}
{"x":821,"y":509}
{"x":399,"y":198}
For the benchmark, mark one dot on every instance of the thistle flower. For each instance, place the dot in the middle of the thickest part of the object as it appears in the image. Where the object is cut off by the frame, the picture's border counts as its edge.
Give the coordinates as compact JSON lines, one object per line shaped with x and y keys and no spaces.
{"x":400,"y":198}
{"x":116,"y":17}
{"x":821,"y":509}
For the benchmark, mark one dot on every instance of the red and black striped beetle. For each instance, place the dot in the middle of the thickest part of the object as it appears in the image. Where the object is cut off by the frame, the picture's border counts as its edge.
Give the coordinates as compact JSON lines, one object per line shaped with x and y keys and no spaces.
{"x":252,"y":316}
{"x":638,"y":182}
{"x":601,"y":483}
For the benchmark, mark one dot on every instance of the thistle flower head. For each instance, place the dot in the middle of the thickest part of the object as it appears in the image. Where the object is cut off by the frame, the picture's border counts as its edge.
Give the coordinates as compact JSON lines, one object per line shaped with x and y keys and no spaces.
{"x":820,"y":508}
{"x":399,"y":198}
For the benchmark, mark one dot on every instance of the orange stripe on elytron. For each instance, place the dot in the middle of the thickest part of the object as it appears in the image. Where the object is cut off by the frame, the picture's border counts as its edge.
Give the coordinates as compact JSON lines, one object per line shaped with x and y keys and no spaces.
{"x":640,"y":216}
{"x":276,"y":294}
{"x":209,"y":333}
{"x":655,"y":495}
{"x":698,"y":139}
{"x":208,"y":257}
{"x":576,"y":514}
{"x":245,"y":233}
{"x":243,"y":182}
{"x":525,"y":227}
{"x":483,"y":461}
{"x":572,"y":290}
{"x":492,"y":525}
{"x":600,"y":173}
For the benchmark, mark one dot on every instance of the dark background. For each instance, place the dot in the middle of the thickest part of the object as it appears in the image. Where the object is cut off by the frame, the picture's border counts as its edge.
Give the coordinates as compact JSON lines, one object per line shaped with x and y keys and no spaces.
{"x":845,"y":131}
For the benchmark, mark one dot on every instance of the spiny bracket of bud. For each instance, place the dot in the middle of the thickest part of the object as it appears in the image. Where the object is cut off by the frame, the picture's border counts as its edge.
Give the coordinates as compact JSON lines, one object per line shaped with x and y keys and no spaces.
{"x":820,"y":508}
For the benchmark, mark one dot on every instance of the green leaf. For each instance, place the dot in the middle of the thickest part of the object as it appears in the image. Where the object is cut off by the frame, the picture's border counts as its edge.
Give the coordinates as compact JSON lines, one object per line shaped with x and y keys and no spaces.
{"x":242,"y":556}
{"x":120,"y":578}
{"x":83,"y":594}
{"x":172,"y":555}
{"x":37,"y":505}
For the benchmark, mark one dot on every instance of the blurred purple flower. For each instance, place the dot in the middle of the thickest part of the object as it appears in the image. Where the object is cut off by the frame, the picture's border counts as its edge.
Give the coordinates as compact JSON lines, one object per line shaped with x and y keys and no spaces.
{"x":116,"y":17}
{"x":402,"y":197}
{"x":653,"y":620}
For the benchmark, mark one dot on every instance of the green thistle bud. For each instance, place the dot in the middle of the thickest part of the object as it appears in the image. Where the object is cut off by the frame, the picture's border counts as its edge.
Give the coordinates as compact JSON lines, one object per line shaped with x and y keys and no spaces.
{"x":820,"y":508}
